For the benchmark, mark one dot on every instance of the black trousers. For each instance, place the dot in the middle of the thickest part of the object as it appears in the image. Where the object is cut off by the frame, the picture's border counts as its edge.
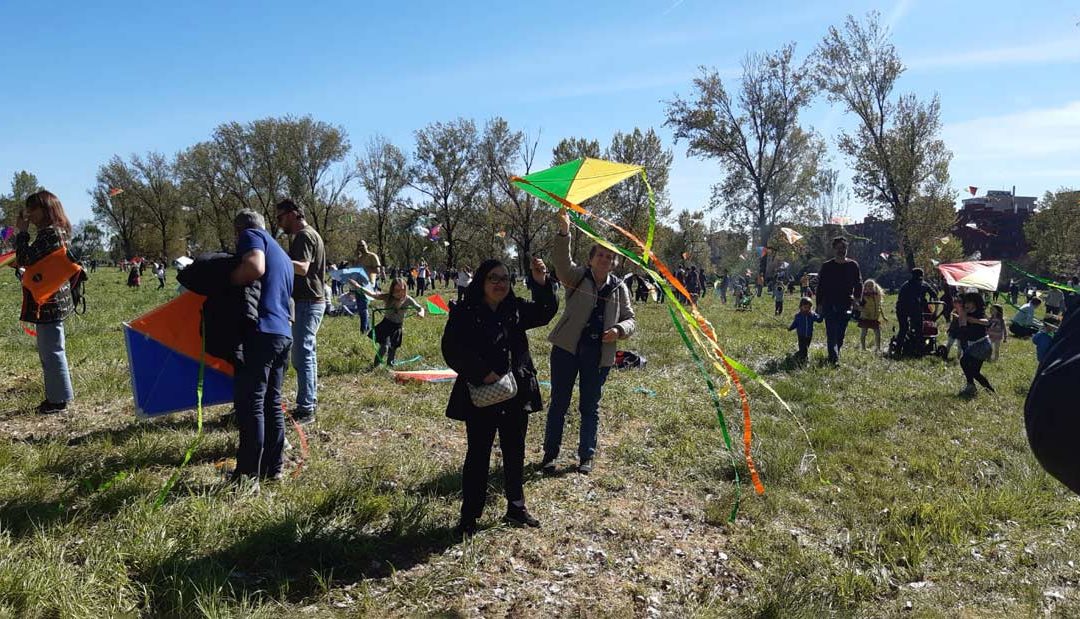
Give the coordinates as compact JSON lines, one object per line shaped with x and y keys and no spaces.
{"x":480,"y":430}
{"x":779,"y":307}
{"x":972,"y":368}
{"x":804,"y":345}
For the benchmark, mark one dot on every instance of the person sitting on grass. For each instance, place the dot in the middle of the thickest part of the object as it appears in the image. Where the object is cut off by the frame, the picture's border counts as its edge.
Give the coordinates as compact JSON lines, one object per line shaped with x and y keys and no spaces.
{"x":803,"y":325}
{"x":389,"y":331}
{"x":1044,"y":338}
{"x":1023,"y":323}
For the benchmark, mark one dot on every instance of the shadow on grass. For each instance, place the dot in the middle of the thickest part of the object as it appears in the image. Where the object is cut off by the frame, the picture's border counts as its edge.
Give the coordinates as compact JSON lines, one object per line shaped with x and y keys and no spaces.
{"x":297,"y":556}
{"x":448,"y":483}
{"x":92,"y":488}
{"x":789,"y":363}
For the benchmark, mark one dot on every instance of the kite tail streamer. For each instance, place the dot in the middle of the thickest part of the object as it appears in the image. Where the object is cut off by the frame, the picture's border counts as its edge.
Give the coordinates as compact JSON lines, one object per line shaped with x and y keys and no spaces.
{"x":652,"y":218}
{"x":717,"y":406}
{"x":1044,"y":280}
{"x":198,"y":433}
{"x":303,"y":440}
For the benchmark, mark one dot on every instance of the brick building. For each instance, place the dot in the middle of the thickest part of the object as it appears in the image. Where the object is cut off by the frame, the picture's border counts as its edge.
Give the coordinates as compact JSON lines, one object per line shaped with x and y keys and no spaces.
{"x":998,"y":231}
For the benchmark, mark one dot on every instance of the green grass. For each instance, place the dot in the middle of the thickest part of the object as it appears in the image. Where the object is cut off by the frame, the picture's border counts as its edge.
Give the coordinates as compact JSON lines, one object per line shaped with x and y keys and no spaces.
{"x":905,"y":494}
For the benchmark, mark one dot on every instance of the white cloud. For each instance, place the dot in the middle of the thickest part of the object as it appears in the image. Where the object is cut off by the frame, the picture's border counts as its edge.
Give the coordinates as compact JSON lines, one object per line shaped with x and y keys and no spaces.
{"x":1043,"y":52}
{"x":1029,"y":134}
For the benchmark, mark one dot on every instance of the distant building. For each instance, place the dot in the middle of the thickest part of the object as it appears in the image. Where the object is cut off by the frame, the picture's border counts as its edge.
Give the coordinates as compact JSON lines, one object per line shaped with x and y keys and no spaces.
{"x":993,"y":225}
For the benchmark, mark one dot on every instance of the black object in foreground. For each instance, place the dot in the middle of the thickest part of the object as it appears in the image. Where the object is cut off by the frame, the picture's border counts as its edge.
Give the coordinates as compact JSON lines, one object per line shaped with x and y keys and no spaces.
{"x":1052,"y":410}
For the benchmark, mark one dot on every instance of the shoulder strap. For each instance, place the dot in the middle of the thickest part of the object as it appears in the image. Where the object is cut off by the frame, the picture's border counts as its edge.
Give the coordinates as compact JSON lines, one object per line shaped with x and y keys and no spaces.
{"x":570,"y":293}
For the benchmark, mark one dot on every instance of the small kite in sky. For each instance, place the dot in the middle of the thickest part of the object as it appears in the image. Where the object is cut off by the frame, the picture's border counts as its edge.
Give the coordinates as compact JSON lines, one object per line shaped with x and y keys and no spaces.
{"x":792,"y":236}
{"x":885,"y":255}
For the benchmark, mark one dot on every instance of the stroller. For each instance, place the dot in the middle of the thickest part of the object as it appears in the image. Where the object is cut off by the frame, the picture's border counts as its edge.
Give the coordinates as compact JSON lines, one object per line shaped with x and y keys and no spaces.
{"x":743,"y":300}
{"x":926,"y":341}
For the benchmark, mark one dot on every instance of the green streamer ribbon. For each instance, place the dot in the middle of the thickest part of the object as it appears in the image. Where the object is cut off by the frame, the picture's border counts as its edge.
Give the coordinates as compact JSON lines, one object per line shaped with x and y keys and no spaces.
{"x":199,"y":432}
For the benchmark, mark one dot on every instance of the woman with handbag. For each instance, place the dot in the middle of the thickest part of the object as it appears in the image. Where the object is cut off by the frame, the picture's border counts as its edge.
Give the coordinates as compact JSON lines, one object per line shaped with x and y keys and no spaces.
{"x":974,"y":341}
{"x":43,"y":209}
{"x":496,"y":388}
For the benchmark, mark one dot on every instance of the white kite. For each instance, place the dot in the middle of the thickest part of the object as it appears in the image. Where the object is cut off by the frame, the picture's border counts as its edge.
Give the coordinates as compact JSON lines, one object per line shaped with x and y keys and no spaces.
{"x":983,"y":275}
{"x":792,"y":236}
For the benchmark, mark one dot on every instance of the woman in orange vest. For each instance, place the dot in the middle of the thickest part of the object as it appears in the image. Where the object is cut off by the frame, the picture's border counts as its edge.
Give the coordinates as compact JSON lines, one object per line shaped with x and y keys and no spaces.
{"x":43,"y":209}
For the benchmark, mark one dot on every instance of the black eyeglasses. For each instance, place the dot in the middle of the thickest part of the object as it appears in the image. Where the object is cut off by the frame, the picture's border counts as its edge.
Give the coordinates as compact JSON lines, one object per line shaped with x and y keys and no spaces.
{"x":497,"y":279}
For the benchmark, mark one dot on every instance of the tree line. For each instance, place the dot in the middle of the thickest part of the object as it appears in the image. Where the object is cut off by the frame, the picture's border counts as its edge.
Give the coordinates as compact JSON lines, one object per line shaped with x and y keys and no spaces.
{"x":448,"y":198}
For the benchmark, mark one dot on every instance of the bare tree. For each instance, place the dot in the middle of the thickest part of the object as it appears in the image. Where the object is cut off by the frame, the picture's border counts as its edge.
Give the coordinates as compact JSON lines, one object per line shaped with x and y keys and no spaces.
{"x":446,"y":169}
{"x":384,"y":173}
{"x":254,"y":166}
{"x":519,"y":214}
{"x":313,"y":149}
{"x":897,"y":155}
{"x":120,"y":213}
{"x":203,"y":185}
{"x":768,"y":160}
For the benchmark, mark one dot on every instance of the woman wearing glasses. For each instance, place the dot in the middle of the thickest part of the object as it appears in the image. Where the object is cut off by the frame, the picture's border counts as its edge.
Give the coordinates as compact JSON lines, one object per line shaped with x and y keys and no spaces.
{"x":43,"y":209}
{"x":496,"y":388}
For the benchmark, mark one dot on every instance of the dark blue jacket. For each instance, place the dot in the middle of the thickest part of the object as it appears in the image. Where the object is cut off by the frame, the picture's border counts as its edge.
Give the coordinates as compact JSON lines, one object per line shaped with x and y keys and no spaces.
{"x":804,"y":323}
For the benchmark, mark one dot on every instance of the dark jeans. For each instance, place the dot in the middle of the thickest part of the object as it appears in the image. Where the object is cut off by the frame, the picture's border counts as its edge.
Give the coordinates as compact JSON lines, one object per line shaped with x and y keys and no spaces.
{"x":257,"y":398}
{"x":1020,"y":331}
{"x":480,"y":430}
{"x":910,"y":325}
{"x":836,"y":324}
{"x":421,"y":285}
{"x":804,"y":345}
{"x":460,"y":293}
{"x":972,"y":368}
{"x":565,"y":369}
{"x":779,"y":307}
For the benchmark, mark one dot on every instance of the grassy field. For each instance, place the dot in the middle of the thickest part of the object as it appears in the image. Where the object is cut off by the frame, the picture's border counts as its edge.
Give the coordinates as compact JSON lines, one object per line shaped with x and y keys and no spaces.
{"x":912,"y":502}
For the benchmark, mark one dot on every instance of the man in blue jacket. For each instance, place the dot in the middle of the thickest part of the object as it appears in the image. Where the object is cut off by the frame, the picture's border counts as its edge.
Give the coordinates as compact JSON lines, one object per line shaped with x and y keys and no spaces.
{"x":265,"y":351}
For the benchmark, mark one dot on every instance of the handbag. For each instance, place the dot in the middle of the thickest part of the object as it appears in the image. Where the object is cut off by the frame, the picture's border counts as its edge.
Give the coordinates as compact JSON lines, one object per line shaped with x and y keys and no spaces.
{"x":980,"y":349}
{"x":499,"y":391}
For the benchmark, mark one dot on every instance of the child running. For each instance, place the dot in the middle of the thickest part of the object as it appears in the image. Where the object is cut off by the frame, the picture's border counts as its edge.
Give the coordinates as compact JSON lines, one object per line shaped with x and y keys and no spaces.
{"x":389,"y":331}
{"x":778,"y":297}
{"x":996,"y":330}
{"x":872,"y":314}
{"x":803,"y":325}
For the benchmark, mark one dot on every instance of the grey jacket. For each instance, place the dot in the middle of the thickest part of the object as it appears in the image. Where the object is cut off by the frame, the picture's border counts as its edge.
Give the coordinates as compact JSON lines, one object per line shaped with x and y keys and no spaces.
{"x":579,"y":305}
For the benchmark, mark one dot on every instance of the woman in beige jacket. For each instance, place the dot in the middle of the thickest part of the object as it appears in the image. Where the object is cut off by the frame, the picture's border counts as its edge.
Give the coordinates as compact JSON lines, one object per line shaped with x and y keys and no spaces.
{"x":597,"y":313}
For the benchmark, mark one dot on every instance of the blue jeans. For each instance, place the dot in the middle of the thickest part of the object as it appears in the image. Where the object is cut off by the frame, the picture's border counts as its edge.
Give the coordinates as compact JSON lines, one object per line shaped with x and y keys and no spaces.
{"x":836,"y":324}
{"x":50,"y":345}
{"x":565,"y":369}
{"x":257,"y":398}
{"x":362,"y":310}
{"x":309,"y":316}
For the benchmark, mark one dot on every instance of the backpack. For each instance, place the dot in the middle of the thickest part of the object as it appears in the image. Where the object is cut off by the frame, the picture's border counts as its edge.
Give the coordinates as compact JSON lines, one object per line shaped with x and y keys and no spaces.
{"x":628,"y":360}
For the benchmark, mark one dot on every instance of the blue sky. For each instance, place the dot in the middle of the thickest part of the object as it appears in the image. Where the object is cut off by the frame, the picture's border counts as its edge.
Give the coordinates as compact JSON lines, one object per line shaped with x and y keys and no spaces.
{"x":84,"y":81}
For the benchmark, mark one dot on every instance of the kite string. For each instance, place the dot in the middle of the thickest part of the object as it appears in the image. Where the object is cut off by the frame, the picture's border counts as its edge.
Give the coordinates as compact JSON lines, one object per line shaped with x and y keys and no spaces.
{"x":696,"y":319}
{"x":1044,"y":280}
{"x":199,"y":415}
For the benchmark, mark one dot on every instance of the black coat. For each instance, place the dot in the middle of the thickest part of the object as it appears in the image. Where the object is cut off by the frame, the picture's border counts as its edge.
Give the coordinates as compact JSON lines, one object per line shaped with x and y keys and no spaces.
{"x":229,"y":311}
{"x":477,"y":341}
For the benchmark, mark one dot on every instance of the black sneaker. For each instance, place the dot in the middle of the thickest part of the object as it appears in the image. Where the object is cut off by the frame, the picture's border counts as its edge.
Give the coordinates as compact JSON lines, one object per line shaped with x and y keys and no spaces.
{"x":547,"y":467}
{"x":51,"y":408}
{"x":520,"y":517}
{"x":585,"y":467}
{"x":304,"y":418}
